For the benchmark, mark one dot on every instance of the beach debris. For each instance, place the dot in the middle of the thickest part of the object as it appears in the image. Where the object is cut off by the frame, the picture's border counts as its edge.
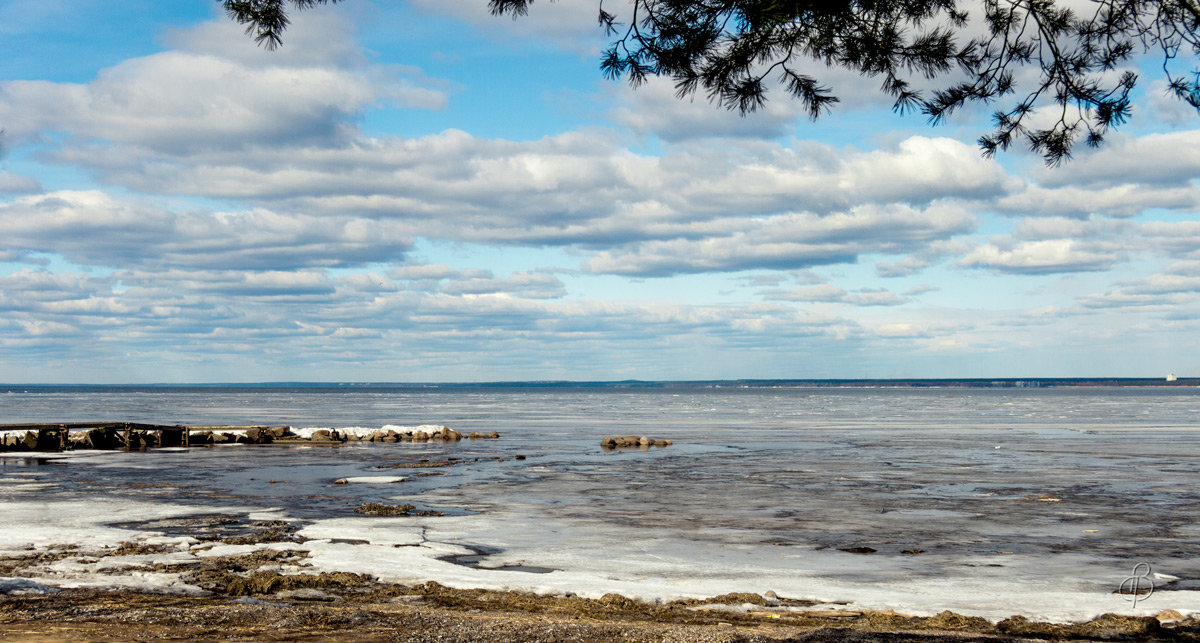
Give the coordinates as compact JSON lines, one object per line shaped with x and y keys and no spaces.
{"x":643,"y":441}
{"x":379,"y":509}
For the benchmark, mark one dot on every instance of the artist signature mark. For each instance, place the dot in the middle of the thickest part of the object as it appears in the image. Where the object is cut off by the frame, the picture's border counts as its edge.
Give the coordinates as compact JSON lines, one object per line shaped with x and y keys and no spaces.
{"x":1139,"y":585}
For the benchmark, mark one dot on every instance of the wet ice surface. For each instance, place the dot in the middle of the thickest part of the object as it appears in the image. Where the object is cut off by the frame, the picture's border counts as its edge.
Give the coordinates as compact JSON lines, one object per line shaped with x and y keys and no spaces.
{"x":1032,"y":502}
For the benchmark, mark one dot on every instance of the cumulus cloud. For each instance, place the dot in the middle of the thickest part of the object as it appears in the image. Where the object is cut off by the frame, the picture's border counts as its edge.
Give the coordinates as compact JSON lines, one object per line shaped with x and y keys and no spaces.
{"x":440,"y":278}
{"x":1039,"y":257}
{"x":1173,"y":292}
{"x":208,"y":97}
{"x":1124,"y":200}
{"x":1180,"y":239}
{"x":1125,"y":177}
{"x":16,"y":184}
{"x":217,"y":117}
{"x":654,"y":109}
{"x":918,"y":260}
{"x":828,"y":293}
{"x":556,"y":180}
{"x":1158,"y":160}
{"x":288,"y":319}
{"x":95,"y":228}
{"x":790,"y":241}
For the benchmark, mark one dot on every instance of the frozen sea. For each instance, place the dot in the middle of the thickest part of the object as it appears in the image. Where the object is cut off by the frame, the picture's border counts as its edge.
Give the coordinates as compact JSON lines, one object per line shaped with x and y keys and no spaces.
{"x":1019,"y":501}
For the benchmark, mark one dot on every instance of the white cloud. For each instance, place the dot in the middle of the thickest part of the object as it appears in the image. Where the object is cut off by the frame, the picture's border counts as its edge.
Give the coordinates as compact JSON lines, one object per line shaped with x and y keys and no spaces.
{"x":1166,"y":159}
{"x":215,"y":98}
{"x":1124,"y":200}
{"x":95,"y":228}
{"x":16,"y":184}
{"x":790,"y":241}
{"x":1039,"y":257}
{"x":653,"y":108}
{"x":828,"y":293}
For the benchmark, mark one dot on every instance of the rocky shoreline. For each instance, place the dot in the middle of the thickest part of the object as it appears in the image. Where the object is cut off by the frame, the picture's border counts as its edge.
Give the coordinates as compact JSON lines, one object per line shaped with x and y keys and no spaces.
{"x":265,"y":605}
{"x":254,"y":580}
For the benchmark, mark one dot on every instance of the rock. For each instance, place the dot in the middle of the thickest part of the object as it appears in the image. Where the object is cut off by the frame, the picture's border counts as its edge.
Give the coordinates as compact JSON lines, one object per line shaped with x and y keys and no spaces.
{"x":321,"y":435}
{"x":858,"y":550}
{"x":519,"y":457}
{"x":256,"y":435}
{"x":223,"y":438}
{"x":1168,"y":616}
{"x":494,"y":435}
{"x":280,"y":431}
{"x":642,"y":441}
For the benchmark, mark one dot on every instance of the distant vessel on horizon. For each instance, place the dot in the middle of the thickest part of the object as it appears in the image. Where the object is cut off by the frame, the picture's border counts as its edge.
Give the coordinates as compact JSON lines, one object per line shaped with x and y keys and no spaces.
{"x":1171,"y":377}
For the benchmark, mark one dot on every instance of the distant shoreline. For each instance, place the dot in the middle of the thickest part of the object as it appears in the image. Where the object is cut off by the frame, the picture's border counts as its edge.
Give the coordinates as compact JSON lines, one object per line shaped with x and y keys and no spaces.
{"x":908,"y":383}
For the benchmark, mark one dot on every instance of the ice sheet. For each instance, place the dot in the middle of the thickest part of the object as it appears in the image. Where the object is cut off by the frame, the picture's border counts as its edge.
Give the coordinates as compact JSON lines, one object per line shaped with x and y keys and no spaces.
{"x":370,"y":480}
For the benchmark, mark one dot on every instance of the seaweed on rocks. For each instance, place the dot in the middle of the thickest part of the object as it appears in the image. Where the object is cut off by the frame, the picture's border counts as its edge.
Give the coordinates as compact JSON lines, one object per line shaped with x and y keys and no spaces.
{"x":379,"y":509}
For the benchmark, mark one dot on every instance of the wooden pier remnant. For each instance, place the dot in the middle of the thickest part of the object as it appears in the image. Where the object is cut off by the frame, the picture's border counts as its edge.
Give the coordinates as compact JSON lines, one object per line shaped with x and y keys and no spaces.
{"x":130,"y":436}
{"x":135,"y":436}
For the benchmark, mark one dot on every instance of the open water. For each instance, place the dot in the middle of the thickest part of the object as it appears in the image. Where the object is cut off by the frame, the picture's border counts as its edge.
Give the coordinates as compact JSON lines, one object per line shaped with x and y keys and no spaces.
{"x":985,"y":501}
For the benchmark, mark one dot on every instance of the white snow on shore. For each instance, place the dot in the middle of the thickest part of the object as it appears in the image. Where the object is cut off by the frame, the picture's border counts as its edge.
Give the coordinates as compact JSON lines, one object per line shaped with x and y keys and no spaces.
{"x":367,"y":431}
{"x":561,"y":557}
{"x":591,"y":561}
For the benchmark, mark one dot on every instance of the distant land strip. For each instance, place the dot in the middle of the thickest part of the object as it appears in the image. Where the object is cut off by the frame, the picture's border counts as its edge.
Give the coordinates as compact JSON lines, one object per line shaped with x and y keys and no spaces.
{"x":915,"y":383}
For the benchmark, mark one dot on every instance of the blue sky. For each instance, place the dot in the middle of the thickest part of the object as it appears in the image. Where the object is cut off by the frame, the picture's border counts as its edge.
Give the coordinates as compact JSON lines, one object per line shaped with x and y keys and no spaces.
{"x":417,"y":191}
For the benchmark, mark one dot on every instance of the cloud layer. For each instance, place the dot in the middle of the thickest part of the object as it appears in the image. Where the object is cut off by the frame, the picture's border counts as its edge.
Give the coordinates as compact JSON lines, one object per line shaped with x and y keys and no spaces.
{"x":213,"y":201}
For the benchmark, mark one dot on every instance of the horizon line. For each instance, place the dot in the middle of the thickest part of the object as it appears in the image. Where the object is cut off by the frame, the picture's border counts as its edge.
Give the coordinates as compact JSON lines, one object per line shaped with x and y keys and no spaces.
{"x":1174,"y":381}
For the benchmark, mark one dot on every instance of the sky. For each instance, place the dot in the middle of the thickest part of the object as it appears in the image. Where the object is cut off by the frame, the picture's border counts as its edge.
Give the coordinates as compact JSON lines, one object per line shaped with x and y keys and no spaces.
{"x":420,"y":192}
